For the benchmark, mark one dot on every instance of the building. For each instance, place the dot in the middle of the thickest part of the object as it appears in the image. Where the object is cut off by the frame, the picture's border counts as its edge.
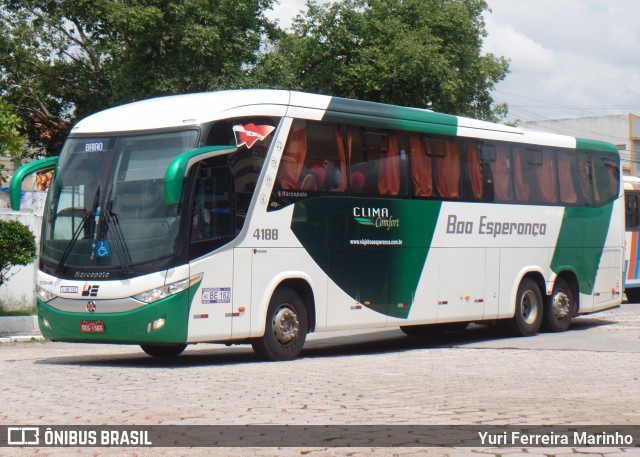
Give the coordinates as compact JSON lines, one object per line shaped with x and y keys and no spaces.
{"x":623,"y":130}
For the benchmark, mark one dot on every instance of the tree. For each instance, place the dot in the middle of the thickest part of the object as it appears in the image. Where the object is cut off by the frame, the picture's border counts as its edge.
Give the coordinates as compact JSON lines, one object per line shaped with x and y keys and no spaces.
{"x":425,"y":53}
{"x":17,"y":247}
{"x":65,"y":59}
{"x":12,"y":143}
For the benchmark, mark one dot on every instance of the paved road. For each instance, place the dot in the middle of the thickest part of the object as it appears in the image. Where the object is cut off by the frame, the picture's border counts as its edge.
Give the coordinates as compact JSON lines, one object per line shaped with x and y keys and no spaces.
{"x":588,"y":375}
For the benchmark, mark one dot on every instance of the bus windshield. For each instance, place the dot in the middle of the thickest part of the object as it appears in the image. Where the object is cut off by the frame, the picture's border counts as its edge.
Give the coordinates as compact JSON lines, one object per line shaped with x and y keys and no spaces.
{"x":106,"y":210}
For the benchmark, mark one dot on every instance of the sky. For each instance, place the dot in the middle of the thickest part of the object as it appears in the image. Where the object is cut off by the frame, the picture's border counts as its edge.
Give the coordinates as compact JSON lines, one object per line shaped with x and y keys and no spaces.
{"x":568,"y":58}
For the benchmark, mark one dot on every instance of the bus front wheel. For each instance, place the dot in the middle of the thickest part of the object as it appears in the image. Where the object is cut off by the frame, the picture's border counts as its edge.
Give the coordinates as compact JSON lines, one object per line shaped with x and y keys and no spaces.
{"x":528,"y":315}
{"x":286,"y":327}
{"x":163,"y":350}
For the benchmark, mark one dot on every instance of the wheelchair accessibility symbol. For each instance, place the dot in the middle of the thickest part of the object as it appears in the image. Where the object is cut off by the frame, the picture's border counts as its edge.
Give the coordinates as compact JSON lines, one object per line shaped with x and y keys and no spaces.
{"x":104,"y":249}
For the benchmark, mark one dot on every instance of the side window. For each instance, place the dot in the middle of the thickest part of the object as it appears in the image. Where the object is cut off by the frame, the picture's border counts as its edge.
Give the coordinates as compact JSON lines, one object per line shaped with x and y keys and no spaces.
{"x":435,"y":166}
{"x":314,"y":158}
{"x":213,"y":206}
{"x":223,"y":188}
{"x":571,"y":180}
{"x":252,"y":136}
{"x":606,"y":176}
{"x":584,"y":177}
{"x":497,"y":169}
{"x":632,"y":218}
{"x":447,"y":168}
{"x":377,"y":165}
{"x":474,"y":173}
{"x":547,"y":177}
{"x":535,"y":175}
{"x":421,"y":167}
{"x":327,"y":158}
{"x":290,"y":175}
{"x":522,"y":171}
{"x":391,"y":166}
{"x":314,"y":161}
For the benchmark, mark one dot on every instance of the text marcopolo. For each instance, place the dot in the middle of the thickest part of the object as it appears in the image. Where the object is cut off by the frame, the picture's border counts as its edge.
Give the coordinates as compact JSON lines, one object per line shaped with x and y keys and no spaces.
{"x":494,"y":228}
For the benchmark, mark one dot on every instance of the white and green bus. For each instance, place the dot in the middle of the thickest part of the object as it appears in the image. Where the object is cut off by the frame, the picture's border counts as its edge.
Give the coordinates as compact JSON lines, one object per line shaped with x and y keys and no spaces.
{"x":259,"y":216}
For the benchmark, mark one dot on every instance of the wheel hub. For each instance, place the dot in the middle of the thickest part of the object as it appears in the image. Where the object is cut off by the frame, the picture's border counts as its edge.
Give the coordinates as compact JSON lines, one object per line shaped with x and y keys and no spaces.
{"x":529,"y":307}
{"x":285,"y":325}
{"x":561,"y":305}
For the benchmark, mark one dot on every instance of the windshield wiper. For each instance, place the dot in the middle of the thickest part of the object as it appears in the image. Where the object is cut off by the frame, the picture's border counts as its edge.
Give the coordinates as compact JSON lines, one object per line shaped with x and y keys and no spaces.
{"x":119,"y":244}
{"x":76,"y":234}
{"x":117,"y":237}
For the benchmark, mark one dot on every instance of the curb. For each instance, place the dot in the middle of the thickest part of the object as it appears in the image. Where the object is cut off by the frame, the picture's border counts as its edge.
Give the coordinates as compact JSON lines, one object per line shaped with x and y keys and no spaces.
{"x":18,"y":325}
{"x":21,"y":339}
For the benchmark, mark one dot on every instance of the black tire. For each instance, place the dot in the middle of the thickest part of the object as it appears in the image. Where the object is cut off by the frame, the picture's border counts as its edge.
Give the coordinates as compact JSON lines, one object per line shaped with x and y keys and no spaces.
{"x":286,"y":327}
{"x":529,"y":310}
{"x":433,"y":329}
{"x":559,"y":308}
{"x":633,"y":295}
{"x":163,"y":350}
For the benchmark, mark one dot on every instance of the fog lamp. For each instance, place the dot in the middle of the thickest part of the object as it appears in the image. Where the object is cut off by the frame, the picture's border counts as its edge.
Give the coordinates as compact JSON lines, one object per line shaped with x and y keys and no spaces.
{"x":155,"y":325}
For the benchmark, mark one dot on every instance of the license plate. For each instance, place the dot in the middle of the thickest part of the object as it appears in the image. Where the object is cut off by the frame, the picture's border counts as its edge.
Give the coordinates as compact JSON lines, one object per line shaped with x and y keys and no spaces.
{"x":92,"y":327}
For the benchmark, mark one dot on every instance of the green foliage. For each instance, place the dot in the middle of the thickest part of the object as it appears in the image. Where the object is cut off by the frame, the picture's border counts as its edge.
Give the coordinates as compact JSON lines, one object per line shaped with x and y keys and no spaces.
{"x":12,"y":143}
{"x":63,"y":60}
{"x":17,"y":247}
{"x":425,"y":53}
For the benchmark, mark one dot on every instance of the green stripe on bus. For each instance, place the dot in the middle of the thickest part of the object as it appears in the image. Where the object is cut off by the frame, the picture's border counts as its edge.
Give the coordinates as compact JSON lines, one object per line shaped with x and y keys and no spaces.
{"x":373,"y":249}
{"x":369,"y":114}
{"x":595,"y":145}
{"x":581,"y":242}
{"x":125,"y":327}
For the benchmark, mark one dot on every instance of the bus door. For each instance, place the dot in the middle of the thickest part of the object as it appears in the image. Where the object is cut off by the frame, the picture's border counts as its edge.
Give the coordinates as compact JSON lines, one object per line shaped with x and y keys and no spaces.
{"x":212,"y":227}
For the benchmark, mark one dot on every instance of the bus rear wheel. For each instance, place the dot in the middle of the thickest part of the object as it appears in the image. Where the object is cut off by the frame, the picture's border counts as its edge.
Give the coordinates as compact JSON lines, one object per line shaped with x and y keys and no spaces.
{"x":529,"y":305}
{"x":163,"y":350}
{"x":286,"y":327}
{"x":560,"y":307}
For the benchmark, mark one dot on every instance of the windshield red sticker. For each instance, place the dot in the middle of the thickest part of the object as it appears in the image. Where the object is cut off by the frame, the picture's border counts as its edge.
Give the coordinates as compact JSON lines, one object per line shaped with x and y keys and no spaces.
{"x":249,"y":134}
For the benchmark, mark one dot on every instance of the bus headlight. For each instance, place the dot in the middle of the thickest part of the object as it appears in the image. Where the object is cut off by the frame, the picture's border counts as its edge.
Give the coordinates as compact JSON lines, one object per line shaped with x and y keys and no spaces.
{"x":159,"y":293}
{"x":44,"y":295}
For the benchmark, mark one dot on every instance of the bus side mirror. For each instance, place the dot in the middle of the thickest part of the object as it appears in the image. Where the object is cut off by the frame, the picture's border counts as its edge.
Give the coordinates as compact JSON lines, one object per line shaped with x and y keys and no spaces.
{"x":179,"y":168}
{"x":15,"y":188}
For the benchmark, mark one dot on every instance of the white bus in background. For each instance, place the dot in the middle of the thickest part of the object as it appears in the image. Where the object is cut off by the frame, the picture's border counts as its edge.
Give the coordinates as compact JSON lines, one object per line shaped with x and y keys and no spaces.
{"x":632,"y":225}
{"x":258,"y":216}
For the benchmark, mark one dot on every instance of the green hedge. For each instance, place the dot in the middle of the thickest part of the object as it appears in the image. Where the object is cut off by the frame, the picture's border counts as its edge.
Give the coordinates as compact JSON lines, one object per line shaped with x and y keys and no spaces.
{"x":17,"y":247}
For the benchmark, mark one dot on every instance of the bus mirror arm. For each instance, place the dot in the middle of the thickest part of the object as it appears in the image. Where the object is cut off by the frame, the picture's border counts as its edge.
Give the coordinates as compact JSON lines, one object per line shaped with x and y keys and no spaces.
{"x":15,"y":188}
{"x":180,"y":166}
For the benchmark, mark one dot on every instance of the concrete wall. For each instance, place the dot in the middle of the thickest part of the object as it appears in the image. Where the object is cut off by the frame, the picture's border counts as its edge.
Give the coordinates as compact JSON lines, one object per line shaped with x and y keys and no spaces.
{"x":18,"y":293}
{"x":616,"y":129}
